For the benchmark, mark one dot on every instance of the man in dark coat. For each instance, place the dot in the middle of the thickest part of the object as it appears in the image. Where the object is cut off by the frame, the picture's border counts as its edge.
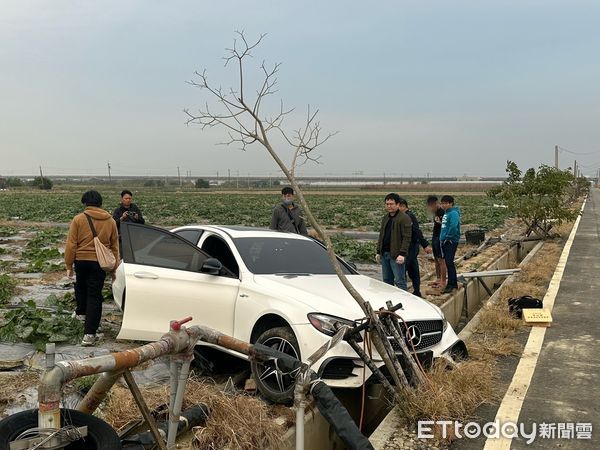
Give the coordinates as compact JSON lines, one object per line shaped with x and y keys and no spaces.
{"x":127,"y":211}
{"x":287,"y":216}
{"x":394,"y":242}
{"x":417,"y":239}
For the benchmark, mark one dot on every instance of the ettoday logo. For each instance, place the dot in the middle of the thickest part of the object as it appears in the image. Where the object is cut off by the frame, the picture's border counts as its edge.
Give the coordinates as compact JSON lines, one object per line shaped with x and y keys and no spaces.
{"x":508,"y":430}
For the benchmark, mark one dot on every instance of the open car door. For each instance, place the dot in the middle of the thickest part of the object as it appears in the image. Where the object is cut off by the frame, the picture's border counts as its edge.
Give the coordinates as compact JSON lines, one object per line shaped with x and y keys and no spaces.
{"x":164,"y":281}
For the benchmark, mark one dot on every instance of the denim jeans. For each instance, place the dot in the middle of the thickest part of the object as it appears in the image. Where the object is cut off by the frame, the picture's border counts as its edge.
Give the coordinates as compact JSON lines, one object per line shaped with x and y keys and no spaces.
{"x":449,"y":251}
{"x":412,"y":268}
{"x":393,"y":273}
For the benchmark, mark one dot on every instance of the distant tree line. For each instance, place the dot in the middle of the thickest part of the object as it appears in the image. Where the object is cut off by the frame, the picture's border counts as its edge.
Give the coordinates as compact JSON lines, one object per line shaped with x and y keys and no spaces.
{"x":38,"y":182}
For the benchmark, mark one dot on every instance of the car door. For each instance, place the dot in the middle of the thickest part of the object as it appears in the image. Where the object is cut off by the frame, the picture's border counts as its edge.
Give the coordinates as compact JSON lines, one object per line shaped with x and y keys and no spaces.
{"x":164,"y":282}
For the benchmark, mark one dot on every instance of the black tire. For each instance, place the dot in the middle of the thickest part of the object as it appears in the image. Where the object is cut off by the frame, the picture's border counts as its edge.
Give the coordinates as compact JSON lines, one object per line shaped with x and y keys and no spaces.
{"x":100,"y":435}
{"x":272,"y":385}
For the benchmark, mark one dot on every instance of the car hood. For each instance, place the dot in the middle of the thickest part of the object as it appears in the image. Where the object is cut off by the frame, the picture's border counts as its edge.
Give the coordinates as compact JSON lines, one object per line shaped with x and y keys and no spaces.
{"x":327,"y":294}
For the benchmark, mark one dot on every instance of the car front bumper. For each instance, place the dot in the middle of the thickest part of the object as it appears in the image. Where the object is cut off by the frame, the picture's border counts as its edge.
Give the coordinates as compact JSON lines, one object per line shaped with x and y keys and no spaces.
{"x":342,"y":368}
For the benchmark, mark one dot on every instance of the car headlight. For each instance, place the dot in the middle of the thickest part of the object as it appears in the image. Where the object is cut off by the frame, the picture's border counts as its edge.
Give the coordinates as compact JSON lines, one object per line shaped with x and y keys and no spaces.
{"x":328,"y":324}
{"x":444,"y":321}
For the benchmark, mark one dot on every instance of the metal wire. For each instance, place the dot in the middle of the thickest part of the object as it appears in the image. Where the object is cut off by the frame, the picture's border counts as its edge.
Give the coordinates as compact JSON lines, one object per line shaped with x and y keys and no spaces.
{"x":68,"y":433}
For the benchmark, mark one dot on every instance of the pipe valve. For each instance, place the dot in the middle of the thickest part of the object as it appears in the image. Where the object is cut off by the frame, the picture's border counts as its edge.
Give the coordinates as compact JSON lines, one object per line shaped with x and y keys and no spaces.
{"x":176,"y":324}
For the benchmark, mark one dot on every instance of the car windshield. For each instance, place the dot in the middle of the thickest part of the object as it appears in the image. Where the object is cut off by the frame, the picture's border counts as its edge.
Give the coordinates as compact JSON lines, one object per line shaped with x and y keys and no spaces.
{"x":284,"y":256}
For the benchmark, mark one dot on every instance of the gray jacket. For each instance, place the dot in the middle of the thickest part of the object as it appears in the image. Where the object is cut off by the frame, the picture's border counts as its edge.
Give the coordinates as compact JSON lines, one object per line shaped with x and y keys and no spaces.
{"x":289,"y":220}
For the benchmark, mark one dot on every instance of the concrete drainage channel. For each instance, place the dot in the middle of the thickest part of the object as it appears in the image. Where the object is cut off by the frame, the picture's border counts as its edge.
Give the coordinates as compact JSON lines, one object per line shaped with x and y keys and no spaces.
{"x":461,"y":311}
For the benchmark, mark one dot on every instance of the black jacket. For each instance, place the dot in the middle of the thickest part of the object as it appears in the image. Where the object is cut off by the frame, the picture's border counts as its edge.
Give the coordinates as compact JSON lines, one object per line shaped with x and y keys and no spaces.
{"x":401,"y":234}
{"x":135,"y":216}
{"x":417,"y":234}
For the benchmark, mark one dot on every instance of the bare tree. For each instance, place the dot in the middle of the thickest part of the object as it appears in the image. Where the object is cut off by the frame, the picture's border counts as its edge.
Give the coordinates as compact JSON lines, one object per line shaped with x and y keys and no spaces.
{"x":242,"y":116}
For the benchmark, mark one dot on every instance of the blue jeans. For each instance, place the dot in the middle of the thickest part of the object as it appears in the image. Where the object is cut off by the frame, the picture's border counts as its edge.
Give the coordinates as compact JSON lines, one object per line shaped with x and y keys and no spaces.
{"x":393,"y":273}
{"x":449,"y":251}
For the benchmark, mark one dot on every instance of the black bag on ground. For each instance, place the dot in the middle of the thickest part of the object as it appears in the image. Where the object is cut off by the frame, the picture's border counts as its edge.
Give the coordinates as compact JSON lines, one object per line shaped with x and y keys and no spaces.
{"x":517,"y":304}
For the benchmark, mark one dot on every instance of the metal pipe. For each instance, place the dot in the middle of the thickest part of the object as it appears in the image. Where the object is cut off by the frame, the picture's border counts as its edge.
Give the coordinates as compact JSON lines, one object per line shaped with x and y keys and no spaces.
{"x":175,"y":369}
{"x":300,"y":426}
{"x":50,"y":355}
{"x":174,"y":418}
{"x":51,"y":383}
{"x":98,"y":392}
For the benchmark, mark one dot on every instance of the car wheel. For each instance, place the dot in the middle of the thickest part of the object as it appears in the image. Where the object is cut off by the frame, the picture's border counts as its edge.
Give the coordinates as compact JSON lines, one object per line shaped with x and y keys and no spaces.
{"x":100,"y":435}
{"x":272,"y":384}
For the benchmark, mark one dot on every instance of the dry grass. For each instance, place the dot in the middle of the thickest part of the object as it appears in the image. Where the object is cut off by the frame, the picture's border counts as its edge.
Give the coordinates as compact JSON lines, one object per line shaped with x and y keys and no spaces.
{"x":541,"y":270}
{"x":239,"y":422}
{"x":495,"y":319}
{"x":489,"y":346}
{"x":12,"y":384}
{"x":236,"y":421}
{"x":451,"y":393}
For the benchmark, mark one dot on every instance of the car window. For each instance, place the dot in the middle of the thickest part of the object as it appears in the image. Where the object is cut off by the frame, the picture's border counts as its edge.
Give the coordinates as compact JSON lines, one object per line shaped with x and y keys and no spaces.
{"x":218,"y":248}
{"x":285,"y":255}
{"x":190,"y":235}
{"x":161,"y":248}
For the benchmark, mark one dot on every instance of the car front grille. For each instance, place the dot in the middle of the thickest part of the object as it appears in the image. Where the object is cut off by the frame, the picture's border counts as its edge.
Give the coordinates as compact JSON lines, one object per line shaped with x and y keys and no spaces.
{"x":430,"y":332}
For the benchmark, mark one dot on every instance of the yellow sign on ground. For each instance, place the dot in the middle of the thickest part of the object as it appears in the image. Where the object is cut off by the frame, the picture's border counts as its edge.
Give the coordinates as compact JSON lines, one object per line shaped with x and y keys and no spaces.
{"x":538,"y":317}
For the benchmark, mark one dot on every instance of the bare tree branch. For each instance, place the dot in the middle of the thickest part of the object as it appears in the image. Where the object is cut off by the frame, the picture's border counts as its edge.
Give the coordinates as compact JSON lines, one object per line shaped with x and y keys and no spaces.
{"x":245,"y":126}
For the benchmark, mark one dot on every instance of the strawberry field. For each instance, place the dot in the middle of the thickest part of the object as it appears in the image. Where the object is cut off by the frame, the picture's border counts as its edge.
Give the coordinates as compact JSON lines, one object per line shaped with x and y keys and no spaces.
{"x":349,"y":211}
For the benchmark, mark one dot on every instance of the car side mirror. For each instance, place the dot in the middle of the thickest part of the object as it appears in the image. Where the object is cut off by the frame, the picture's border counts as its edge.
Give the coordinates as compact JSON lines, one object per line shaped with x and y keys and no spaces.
{"x":212,"y":266}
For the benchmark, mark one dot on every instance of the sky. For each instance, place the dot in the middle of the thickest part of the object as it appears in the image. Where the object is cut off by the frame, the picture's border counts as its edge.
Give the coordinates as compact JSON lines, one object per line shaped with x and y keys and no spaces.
{"x":412,"y":87}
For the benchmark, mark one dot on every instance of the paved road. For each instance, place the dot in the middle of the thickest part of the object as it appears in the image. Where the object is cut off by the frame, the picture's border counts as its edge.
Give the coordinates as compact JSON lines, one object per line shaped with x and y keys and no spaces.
{"x":566,"y":382}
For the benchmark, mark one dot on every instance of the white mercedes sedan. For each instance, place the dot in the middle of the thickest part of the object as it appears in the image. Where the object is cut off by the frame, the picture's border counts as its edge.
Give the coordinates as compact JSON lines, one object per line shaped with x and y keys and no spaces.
{"x":260,"y":286}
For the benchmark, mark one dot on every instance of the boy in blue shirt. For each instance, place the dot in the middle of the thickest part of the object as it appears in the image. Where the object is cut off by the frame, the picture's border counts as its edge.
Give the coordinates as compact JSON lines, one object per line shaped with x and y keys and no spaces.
{"x":449,"y":237}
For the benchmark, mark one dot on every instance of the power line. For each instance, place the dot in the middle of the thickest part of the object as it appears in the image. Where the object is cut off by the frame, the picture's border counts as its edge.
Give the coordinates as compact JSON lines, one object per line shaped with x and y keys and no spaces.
{"x":576,"y":153}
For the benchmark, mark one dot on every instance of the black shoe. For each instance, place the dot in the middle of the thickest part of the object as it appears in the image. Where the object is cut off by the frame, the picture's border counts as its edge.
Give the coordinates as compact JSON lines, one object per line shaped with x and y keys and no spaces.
{"x":418,"y":294}
{"x":448,"y":290}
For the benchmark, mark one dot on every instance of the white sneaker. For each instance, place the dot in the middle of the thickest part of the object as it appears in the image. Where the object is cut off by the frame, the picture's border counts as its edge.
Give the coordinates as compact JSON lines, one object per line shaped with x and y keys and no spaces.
{"x":89,"y":340}
{"x":80,"y":317}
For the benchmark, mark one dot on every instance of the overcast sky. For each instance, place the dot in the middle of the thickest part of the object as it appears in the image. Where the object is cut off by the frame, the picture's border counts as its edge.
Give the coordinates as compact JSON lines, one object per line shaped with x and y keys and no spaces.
{"x":446,"y":87}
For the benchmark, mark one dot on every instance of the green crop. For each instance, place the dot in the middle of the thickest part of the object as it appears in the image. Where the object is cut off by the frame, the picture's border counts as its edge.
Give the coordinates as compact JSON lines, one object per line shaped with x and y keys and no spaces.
{"x":347,"y":210}
{"x":8,"y":287}
{"x":38,"y":326}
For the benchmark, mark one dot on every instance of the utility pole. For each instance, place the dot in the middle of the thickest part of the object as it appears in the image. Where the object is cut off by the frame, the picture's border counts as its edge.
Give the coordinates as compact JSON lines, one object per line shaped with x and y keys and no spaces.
{"x":109,"y":177}
{"x":229,"y":175}
{"x":41,"y":174}
{"x":556,"y":156}
{"x":179,"y":176}
{"x":237,"y":180}
{"x":575,"y":169}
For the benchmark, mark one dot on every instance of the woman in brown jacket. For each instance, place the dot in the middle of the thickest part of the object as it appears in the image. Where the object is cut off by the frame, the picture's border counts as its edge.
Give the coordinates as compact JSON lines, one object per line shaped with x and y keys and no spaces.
{"x":80,"y":253}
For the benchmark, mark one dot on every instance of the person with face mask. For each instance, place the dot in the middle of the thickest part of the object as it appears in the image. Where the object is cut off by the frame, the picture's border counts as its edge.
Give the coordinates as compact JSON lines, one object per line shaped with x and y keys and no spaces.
{"x":287,"y":216}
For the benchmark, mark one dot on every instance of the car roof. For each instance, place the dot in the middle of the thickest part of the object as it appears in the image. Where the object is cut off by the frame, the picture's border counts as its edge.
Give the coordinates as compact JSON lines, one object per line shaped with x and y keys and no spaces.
{"x":237,"y":231}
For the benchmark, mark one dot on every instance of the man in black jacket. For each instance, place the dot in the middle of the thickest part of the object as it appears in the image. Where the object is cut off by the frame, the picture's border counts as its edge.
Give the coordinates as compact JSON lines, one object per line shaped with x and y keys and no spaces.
{"x":412,"y":261}
{"x":287,"y":216}
{"x":393,"y":243}
{"x":127,"y":211}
